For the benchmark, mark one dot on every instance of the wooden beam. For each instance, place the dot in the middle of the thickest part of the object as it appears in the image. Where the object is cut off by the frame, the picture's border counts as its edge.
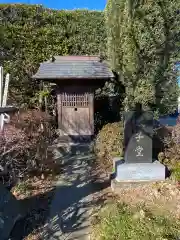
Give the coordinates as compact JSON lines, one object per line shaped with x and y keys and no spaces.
{"x":8,"y":109}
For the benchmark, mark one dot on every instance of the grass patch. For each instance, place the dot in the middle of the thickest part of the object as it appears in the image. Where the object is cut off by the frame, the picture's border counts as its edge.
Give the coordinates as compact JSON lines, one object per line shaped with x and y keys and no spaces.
{"x":23,"y":188}
{"x":175,"y":171}
{"x":120,"y":222}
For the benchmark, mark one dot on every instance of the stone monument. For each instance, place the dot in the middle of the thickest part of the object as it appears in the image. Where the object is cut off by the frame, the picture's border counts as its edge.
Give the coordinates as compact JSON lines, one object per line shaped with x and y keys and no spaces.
{"x":138,"y":142}
{"x":138,"y":165}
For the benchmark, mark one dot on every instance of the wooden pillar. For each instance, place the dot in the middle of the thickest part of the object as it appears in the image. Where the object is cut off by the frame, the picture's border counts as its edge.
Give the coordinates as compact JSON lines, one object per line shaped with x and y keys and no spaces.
{"x":40,"y":95}
{"x":59,"y":110}
{"x":45,"y":97}
{"x":91,"y":113}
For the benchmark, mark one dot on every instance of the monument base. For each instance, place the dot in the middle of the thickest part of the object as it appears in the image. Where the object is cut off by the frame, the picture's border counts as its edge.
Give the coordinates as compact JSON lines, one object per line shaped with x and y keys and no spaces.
{"x":134,"y":175}
{"x":130,"y":172}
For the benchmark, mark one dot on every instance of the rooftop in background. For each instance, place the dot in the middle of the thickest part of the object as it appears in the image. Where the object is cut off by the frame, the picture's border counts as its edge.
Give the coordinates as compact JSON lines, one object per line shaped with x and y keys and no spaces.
{"x":74,"y":67}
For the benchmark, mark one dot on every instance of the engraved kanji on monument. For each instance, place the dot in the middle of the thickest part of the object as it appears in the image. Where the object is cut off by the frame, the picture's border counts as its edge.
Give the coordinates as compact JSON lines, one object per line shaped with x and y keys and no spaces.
{"x":138,"y":137}
{"x":138,"y":165}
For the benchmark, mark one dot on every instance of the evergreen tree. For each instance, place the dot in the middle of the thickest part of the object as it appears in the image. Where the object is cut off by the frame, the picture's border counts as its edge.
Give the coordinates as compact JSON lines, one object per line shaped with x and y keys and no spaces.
{"x":143,"y":46}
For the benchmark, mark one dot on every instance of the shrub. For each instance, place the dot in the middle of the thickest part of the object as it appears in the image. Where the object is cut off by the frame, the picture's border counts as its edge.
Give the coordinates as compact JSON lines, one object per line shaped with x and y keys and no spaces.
{"x":118,"y":221}
{"x":25,"y":29}
{"x":24,"y":146}
{"x":171,"y":154}
{"x":109,"y":142}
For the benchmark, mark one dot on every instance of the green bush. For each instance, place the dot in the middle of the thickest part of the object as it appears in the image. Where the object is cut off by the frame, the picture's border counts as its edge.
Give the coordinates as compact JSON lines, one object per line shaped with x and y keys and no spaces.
{"x":109,"y":143}
{"x":138,"y":33}
{"x":30,"y":34}
{"x":119,"y":222}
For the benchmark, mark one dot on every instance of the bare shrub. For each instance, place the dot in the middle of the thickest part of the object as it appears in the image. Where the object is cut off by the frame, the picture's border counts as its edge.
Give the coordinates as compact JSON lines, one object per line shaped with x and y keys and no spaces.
{"x":171,"y":154}
{"x":24,"y":146}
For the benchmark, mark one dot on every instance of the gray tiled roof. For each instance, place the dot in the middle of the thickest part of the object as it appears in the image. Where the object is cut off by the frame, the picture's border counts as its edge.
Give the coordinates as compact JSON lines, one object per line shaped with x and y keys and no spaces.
{"x":73,"y":67}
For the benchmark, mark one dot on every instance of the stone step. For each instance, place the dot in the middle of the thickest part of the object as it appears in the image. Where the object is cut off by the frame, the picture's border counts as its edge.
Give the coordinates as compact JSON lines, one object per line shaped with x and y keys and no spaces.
{"x":75,"y":138}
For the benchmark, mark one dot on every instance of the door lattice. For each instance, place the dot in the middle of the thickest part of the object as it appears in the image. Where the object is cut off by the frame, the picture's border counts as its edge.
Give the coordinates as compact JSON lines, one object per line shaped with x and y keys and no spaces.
{"x":75,"y":100}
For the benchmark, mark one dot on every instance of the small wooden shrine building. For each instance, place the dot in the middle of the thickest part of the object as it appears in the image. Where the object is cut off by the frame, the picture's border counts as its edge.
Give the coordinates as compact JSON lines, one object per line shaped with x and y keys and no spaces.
{"x":76,"y":79}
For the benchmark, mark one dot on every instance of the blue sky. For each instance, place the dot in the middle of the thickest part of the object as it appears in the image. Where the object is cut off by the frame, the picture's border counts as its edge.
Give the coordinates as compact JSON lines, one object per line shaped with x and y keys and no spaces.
{"x":65,"y":4}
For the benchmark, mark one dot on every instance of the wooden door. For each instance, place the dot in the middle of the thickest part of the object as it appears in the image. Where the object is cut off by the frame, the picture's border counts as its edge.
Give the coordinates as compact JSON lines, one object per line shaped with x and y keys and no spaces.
{"x":76,"y":114}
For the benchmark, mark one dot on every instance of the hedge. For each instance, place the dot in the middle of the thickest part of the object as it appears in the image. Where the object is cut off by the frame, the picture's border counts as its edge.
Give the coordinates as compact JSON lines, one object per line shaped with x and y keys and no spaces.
{"x":30,"y":34}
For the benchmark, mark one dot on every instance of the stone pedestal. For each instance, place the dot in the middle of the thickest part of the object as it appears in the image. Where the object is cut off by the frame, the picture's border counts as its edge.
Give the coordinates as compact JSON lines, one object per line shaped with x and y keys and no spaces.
{"x":139,"y":171}
{"x":136,"y":174}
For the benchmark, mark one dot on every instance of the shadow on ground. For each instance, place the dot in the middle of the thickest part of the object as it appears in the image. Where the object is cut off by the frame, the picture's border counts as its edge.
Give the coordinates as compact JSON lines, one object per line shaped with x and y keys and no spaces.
{"x":70,"y":207}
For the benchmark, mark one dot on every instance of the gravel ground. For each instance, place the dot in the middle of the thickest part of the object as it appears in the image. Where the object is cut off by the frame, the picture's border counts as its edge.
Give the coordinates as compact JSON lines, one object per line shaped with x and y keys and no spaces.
{"x":160,"y":198}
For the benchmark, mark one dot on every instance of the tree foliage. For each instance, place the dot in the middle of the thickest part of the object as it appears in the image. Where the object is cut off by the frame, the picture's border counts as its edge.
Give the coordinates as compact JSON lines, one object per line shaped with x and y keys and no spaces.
{"x":32,"y":34}
{"x":143,"y":46}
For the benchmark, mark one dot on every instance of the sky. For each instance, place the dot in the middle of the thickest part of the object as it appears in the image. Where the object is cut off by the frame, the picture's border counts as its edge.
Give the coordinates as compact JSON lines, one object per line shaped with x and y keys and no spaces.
{"x":64,"y":4}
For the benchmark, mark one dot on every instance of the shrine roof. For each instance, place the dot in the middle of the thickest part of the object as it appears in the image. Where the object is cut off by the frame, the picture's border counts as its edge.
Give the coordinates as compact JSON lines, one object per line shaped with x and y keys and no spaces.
{"x":74,"y":67}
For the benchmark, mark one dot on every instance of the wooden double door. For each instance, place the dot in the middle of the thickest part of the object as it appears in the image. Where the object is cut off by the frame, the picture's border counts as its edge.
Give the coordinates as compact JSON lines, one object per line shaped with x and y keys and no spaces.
{"x":76,"y":114}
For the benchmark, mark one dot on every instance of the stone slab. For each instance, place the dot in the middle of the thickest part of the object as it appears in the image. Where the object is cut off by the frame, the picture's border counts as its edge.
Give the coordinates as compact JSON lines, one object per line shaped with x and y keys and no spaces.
{"x":139,"y":151}
{"x":129,"y":172}
{"x":138,"y":136}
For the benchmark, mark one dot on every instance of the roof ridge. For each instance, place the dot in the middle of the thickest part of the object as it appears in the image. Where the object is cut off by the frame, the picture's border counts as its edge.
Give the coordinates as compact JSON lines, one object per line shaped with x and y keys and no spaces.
{"x":78,"y":58}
